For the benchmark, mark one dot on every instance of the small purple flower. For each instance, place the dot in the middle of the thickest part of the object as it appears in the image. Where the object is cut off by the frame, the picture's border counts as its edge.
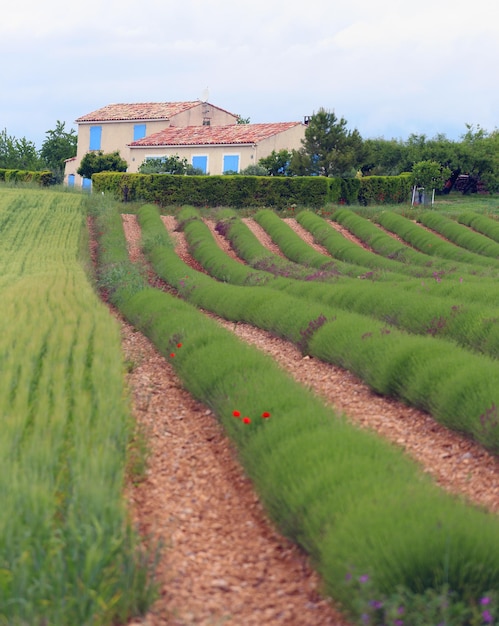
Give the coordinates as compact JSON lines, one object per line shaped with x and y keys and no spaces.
{"x":485,"y":600}
{"x":399,"y":622}
{"x":487,"y":617}
{"x":364,"y":578}
{"x":376,"y":604}
{"x":348,"y":576}
{"x":365,"y":618}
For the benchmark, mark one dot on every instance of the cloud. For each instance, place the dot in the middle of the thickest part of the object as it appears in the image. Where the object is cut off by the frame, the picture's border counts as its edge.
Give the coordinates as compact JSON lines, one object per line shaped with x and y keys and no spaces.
{"x":388,"y":67}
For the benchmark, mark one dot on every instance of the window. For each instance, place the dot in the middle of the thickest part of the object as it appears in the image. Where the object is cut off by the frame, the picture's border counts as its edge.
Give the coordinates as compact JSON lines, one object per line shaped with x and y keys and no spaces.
{"x":139,"y":131}
{"x":71,"y":180}
{"x":95,"y":137}
{"x":231,"y":163}
{"x":201,"y":163}
{"x":86,"y":183}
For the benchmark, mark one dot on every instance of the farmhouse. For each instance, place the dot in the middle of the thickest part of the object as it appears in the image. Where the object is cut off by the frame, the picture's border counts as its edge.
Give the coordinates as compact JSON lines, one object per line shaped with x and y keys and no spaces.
{"x":206,"y":135}
{"x":218,"y":149}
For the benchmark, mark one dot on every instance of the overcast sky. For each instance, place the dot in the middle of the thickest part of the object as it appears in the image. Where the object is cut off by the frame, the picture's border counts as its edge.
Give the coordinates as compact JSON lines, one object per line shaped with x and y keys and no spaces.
{"x":389,"y":67}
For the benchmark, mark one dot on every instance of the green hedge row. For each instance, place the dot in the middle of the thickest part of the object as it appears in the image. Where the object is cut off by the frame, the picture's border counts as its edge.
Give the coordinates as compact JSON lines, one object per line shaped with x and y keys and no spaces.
{"x":213,"y":191}
{"x":252,"y":191}
{"x":385,"y":189}
{"x":43,"y":178}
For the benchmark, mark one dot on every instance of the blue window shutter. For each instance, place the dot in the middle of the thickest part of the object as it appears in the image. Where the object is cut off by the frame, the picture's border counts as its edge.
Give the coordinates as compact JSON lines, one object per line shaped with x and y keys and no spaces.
{"x":71,"y":180}
{"x":139,"y":131}
{"x":200,"y":162}
{"x":95,"y":137}
{"x":231,"y":163}
{"x":86,"y":183}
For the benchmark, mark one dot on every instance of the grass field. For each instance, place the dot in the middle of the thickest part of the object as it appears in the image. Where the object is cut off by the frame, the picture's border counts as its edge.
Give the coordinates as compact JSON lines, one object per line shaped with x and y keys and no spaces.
{"x":68,"y":554}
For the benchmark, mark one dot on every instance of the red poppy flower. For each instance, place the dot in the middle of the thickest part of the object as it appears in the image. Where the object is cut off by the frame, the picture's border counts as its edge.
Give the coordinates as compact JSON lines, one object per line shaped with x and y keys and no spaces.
{"x":265,"y":414}
{"x":179,"y":345}
{"x":172,"y":354}
{"x":236,"y":413}
{"x":246,"y":420}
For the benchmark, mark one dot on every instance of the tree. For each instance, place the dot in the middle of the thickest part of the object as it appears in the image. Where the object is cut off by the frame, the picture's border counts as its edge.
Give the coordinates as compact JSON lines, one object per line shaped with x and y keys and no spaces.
{"x":479,"y":156}
{"x":277,"y":163}
{"x":243,"y":120}
{"x":299,"y":164}
{"x":333,"y":150}
{"x":94,"y":162}
{"x":384,"y":157}
{"x":169,"y":165}
{"x":18,"y":154}
{"x":430,"y":174}
{"x":254,"y":170}
{"x":58,"y":146}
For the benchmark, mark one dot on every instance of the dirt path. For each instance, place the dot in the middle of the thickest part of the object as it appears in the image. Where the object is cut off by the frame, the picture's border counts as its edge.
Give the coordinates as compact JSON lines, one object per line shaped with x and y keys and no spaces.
{"x":224,"y":563}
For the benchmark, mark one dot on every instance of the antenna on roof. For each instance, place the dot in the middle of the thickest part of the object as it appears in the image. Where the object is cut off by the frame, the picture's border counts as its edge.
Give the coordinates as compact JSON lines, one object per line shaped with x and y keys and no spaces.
{"x":206,"y":108}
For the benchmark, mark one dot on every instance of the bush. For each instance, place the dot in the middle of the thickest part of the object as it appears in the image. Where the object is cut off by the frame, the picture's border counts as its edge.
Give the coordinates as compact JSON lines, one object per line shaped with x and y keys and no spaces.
{"x":42,"y":178}
{"x":214,"y":191}
{"x":385,"y":189}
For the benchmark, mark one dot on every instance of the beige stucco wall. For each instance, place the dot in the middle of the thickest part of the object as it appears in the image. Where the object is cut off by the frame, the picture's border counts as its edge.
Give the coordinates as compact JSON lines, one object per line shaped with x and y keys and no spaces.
{"x":195,"y":116}
{"x":248,"y":154}
{"x":215,"y":155}
{"x":287,"y":140}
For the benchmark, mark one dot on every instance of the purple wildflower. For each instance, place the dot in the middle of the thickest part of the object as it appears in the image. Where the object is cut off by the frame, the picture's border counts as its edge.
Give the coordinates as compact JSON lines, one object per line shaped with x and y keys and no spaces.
{"x":487,"y":617}
{"x":376,"y":604}
{"x":485,"y":600}
{"x":364,"y":578}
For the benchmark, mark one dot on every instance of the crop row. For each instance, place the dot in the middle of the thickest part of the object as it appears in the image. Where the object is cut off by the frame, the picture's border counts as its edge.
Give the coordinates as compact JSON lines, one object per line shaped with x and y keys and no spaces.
{"x":414,"y":245}
{"x":356,"y":504}
{"x":456,"y":386}
{"x":68,"y":554}
{"x":456,"y":316}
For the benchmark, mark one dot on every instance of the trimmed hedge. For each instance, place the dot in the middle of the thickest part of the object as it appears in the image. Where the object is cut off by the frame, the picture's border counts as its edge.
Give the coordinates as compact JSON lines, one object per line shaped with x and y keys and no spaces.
{"x":43,"y":178}
{"x":214,"y":191}
{"x":385,"y":189}
{"x":238,"y":191}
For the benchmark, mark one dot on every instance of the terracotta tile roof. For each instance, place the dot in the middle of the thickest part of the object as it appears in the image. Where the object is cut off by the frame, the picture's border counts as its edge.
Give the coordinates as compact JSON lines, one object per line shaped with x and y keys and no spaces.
{"x":138,"y":111}
{"x":214,"y":135}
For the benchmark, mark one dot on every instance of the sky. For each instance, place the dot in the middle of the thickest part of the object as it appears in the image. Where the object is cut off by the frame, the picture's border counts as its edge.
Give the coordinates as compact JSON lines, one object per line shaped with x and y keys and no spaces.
{"x":389,"y":67}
